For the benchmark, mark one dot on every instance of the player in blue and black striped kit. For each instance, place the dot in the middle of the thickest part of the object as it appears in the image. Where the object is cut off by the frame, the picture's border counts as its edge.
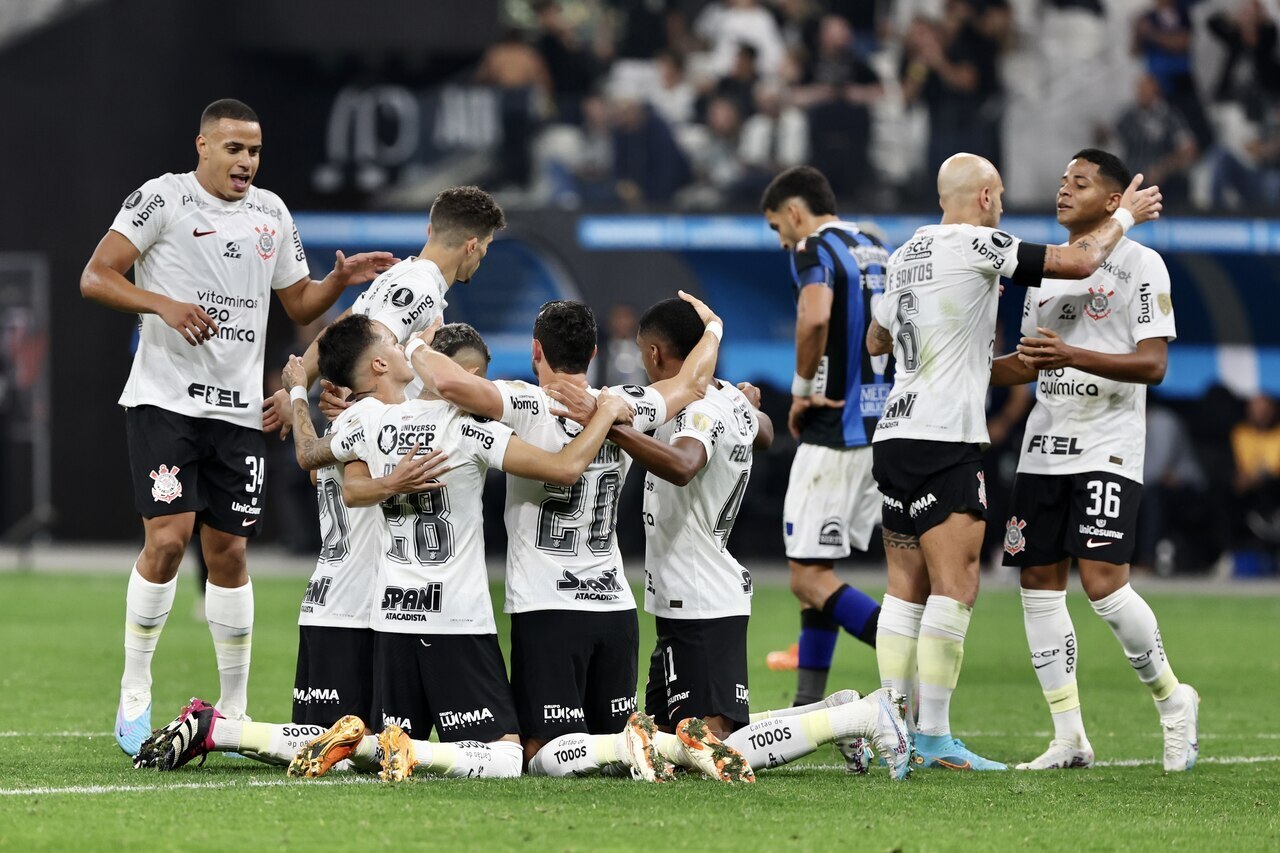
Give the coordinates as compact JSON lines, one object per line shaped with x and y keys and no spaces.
{"x":838,"y":395}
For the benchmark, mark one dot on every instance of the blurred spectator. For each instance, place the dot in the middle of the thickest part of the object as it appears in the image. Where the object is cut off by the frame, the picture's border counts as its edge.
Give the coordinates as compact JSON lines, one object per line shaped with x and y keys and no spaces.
{"x":1249,"y":177}
{"x":1173,"y":497}
{"x":739,"y":84}
{"x":777,"y":136}
{"x":1163,"y":37}
{"x":621,"y":355}
{"x":1256,"y":445}
{"x":572,"y":68}
{"x":1157,"y":142}
{"x":720,"y":172}
{"x":799,"y":25}
{"x":951,"y":68}
{"x":1249,"y":36}
{"x":675,"y":98}
{"x":520,"y":75}
{"x":646,"y":27}
{"x":648,"y":164}
{"x":724,"y":25}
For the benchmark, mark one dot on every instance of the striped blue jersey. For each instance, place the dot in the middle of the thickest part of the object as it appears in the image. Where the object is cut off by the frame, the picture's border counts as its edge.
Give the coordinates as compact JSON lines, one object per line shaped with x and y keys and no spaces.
{"x":852,"y":264}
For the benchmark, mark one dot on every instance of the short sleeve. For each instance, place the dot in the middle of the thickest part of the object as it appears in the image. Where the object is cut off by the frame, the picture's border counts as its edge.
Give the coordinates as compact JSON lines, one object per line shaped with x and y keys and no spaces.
{"x":347,"y":441}
{"x":1154,"y":315}
{"x":291,"y":264}
{"x":1029,"y":309}
{"x":990,"y":251}
{"x":484,"y":440}
{"x":811,"y":263}
{"x":408,"y":306}
{"x":882,"y":309}
{"x":522,"y":404}
{"x":144,"y":213}
{"x":650,"y":406}
{"x":699,"y":421}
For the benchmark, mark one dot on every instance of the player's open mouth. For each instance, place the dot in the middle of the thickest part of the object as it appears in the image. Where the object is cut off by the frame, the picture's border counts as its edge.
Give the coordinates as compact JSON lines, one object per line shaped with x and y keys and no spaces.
{"x":240,"y":183}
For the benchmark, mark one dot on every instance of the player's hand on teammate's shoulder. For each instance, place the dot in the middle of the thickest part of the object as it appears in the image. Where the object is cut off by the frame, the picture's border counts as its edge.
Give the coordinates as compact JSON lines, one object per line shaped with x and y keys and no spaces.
{"x":362,"y":267}
{"x":576,"y":402}
{"x":416,"y":473}
{"x":1049,"y":352}
{"x":1145,"y":204}
{"x":615,"y":406}
{"x":751,"y":392}
{"x":189,"y":320}
{"x":277,"y":414}
{"x":705,"y":314}
{"x":332,"y":400}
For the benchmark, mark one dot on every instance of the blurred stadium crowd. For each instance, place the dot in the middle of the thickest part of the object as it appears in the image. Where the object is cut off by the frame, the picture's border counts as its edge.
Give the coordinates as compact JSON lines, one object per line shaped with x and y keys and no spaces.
{"x":698,"y":103}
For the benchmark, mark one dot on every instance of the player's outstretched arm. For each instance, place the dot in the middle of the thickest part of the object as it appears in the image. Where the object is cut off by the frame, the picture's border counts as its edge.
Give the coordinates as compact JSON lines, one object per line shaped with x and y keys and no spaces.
{"x":565,"y":467}
{"x":1146,"y":366}
{"x":306,"y":299}
{"x":446,"y":378}
{"x":677,"y":462}
{"x":411,"y":475}
{"x":1083,"y":256}
{"x":1011,"y":370}
{"x":698,"y":369}
{"x":103,"y":282}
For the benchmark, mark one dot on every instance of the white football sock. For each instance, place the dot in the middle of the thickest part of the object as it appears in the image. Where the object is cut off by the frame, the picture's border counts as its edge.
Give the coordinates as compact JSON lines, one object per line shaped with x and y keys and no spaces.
{"x":146,"y":608}
{"x":500,"y":759}
{"x":772,"y":743}
{"x":1054,"y":654}
{"x":577,"y":755}
{"x":840,"y":697}
{"x":939,"y":655}
{"x":230,"y":615}
{"x":1134,"y":625}
{"x":897,"y":637}
{"x":270,"y":743}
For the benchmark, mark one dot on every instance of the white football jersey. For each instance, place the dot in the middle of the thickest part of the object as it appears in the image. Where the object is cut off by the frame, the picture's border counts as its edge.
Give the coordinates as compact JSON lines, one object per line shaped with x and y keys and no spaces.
{"x":689,"y":573}
{"x":226,"y":257}
{"x":406,"y":299}
{"x":340,"y":593}
{"x":561,"y":550}
{"x":432,"y":578}
{"x":1082,"y":422}
{"x":940,"y":301}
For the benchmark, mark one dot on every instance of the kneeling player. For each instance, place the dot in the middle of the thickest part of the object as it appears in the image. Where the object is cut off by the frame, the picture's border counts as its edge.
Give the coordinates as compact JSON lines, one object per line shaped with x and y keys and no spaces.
{"x":700,"y":464}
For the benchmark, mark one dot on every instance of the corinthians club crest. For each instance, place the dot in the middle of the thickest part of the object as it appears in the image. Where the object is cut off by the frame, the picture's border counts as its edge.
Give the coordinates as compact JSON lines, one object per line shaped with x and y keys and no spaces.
{"x":266,"y":242}
{"x":1014,"y":541}
{"x":165,"y":485}
{"x":1098,"y":305}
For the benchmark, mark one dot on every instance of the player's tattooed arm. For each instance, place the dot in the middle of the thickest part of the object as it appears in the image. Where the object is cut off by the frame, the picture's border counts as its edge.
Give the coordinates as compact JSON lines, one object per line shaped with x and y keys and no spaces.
{"x":1083,"y":256}
{"x":699,"y":367}
{"x":879,"y":341}
{"x":903,"y":541}
{"x":566,"y":466}
{"x":309,"y":449}
{"x":677,"y":462}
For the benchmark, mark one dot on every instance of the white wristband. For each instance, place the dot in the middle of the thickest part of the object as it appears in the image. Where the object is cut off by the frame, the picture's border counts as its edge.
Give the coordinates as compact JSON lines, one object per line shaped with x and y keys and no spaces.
{"x":296,"y":393}
{"x":716,"y":328}
{"x":413,"y":346}
{"x":801,"y":387}
{"x":1125,"y":219}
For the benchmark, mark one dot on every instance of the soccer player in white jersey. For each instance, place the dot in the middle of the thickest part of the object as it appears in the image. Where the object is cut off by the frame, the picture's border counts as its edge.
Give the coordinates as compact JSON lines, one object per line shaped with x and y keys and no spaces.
{"x":574,"y":633}
{"x":699,"y":464}
{"x":1094,"y":346}
{"x":938,"y":317}
{"x":209,"y":247}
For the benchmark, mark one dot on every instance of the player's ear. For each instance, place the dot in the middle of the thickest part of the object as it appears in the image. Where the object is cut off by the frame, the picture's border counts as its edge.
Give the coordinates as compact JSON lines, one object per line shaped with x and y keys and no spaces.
{"x":471,"y":245}
{"x":537,"y":351}
{"x":1113,"y":202}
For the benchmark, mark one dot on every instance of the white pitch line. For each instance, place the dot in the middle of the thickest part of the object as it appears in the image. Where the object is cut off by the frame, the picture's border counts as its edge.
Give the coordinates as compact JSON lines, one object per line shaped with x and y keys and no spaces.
{"x":119,"y":789}
{"x":1120,"y":762}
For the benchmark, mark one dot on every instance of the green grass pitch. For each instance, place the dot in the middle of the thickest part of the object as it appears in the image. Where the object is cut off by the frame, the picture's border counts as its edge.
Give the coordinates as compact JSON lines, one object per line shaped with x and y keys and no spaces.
{"x":64,"y":784}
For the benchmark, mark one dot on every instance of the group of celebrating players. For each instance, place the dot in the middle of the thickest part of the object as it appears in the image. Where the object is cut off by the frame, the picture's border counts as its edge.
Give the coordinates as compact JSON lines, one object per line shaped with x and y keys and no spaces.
{"x":397,"y":635}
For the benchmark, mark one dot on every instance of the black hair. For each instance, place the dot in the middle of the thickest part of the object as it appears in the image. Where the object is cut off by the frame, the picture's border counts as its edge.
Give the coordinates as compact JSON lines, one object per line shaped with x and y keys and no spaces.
{"x":1109,"y":166}
{"x":460,"y":213}
{"x":227,"y":108}
{"x":803,"y":182}
{"x":676,"y":323}
{"x":453,"y":337}
{"x":567,"y":332}
{"x":341,"y":346}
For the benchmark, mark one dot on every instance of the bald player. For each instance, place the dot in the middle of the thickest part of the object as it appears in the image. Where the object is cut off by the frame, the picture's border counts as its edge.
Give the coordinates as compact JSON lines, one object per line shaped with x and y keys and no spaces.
{"x":938,"y":318}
